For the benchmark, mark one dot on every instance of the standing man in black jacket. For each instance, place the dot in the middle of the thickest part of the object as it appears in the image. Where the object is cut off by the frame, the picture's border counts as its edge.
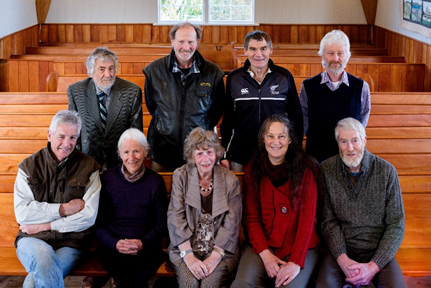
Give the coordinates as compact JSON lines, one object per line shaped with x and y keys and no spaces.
{"x":182,"y":91}
{"x":254,"y":92}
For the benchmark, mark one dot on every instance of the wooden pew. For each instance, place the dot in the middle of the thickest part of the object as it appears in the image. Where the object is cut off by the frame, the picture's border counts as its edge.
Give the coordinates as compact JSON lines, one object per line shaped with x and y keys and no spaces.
{"x":312,"y":49}
{"x":60,"y":83}
{"x":219,"y":53}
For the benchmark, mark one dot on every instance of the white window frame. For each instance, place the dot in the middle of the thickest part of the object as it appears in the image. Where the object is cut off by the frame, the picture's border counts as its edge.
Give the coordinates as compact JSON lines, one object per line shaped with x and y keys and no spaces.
{"x":205,"y":20}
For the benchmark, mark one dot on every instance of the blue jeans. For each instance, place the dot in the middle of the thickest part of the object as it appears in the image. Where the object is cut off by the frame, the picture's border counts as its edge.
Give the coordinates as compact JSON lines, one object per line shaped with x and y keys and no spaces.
{"x":46,"y":267}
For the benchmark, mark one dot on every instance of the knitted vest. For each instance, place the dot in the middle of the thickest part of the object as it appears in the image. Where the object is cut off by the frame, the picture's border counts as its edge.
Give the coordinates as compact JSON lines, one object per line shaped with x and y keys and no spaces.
{"x":325,"y":109}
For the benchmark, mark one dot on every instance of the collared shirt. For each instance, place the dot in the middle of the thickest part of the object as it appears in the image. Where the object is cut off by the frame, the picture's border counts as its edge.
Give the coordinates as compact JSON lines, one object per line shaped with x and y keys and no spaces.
{"x":193,"y":70}
{"x":365,"y":98}
{"x":252,"y":75}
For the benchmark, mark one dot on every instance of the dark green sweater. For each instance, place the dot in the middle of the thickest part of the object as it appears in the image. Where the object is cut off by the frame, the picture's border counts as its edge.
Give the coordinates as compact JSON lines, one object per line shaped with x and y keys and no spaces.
{"x":369,"y":215}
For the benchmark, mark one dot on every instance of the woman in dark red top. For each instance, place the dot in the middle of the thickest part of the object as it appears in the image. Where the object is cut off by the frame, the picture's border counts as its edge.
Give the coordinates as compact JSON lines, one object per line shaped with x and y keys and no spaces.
{"x":280,"y":200}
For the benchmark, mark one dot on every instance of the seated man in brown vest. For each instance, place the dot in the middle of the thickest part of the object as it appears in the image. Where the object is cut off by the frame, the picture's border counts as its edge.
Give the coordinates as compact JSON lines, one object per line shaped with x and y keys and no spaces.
{"x":56,"y":199}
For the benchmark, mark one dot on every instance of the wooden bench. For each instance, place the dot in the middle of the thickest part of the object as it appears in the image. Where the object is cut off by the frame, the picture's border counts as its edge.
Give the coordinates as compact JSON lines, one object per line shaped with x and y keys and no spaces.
{"x":387,"y":77}
{"x":410,"y":154}
{"x":312,"y":49}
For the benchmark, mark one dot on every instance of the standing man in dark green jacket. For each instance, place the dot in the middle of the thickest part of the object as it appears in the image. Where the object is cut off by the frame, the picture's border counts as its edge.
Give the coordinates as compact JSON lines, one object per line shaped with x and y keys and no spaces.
{"x":182,"y":91}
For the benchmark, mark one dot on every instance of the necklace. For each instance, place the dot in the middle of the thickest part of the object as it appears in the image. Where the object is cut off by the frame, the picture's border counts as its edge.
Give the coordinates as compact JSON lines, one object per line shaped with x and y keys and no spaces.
{"x":209,"y":188}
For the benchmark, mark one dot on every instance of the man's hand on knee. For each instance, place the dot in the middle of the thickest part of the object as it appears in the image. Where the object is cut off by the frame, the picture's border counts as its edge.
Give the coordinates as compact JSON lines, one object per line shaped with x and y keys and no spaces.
{"x":367,"y":271}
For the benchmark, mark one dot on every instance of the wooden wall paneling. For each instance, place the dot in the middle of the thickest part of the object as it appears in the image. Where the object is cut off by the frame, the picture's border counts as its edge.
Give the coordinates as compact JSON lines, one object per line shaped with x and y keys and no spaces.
{"x":240,"y":34}
{"x":77,"y":33}
{"x":61,"y":33}
{"x":206,"y":34}
{"x":23,"y":75}
{"x":305,"y":69}
{"x":147,"y":33}
{"x":126,"y":68}
{"x":70,"y":33}
{"x":95,"y":33}
{"x":374,"y":72}
{"x":44,"y":33}
{"x":293,"y":68}
{"x":328,"y":28}
{"x":33,"y":76}
{"x":384,"y":78}
{"x":120,"y":33}
{"x":427,"y":75}
{"x":4,"y":85}
{"x":315,"y":69}
{"x":285,"y":34}
{"x":155,"y":34}
{"x":137,"y":69}
{"x":59,"y":68}
{"x":137,"y":33}
{"x":396,"y":77}
{"x":348,"y":30}
{"x":294,"y":37}
{"x":43,"y":70}
{"x":320,"y":33}
{"x":232,"y":34}
{"x":417,"y":78}
{"x":354,"y":34}
{"x":276,"y":34}
{"x":5,"y":48}
{"x":112,"y":33}
{"x":129,"y":33}
{"x":302,"y":34}
{"x":70,"y":68}
{"x":103,"y":33}
{"x":224,"y":34}
{"x":215,"y":34}
{"x":361,"y":69}
{"x":16,"y":44}
{"x":418,"y":50}
{"x":86,"y":33}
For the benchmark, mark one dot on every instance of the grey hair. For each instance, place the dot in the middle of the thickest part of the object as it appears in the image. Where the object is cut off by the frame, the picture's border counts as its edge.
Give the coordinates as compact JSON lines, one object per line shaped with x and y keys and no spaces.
{"x":258,"y":36}
{"x":100,"y":53}
{"x":133,"y":134}
{"x":203,"y":139}
{"x":66,"y":117}
{"x":174,"y":29}
{"x":350,"y":124}
{"x":335,"y":37}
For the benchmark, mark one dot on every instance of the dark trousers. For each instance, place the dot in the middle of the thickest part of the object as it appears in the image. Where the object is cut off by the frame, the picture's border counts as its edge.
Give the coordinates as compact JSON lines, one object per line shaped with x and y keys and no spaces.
{"x":130,"y":270}
{"x":331,"y":275}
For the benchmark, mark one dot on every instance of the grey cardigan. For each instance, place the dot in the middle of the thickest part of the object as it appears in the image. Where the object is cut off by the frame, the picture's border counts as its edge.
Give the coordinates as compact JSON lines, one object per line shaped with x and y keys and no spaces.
{"x":368,"y":216}
{"x":185,"y":208}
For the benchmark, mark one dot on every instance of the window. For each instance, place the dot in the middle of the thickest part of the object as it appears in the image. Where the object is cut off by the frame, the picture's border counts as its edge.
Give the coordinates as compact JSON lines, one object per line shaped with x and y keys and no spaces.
{"x":207,"y":11}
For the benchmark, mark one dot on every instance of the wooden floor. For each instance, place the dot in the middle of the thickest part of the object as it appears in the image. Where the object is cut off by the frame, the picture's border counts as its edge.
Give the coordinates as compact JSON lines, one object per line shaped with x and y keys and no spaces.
{"x":75,"y":282}
{"x":70,"y":282}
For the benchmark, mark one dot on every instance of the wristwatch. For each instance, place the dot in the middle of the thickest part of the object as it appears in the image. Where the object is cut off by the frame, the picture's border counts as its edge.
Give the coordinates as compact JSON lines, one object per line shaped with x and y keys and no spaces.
{"x":185,"y":252}
{"x":219,"y":252}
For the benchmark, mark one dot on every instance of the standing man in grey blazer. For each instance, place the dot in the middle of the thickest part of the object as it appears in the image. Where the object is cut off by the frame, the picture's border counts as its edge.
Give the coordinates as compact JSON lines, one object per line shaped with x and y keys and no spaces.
{"x":107,"y":106}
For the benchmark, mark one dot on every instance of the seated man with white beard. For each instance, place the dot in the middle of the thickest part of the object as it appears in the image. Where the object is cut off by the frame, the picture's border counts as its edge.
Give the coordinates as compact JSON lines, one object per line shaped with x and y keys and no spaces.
{"x":363,"y":214}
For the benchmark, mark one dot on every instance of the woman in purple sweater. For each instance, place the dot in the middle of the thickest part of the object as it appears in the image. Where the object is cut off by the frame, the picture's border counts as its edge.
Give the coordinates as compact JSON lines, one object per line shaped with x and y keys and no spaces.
{"x":132,"y":215}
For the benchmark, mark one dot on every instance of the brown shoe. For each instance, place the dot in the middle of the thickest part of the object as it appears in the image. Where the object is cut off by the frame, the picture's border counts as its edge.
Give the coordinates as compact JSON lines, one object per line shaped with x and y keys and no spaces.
{"x":113,"y":283}
{"x":88,"y":282}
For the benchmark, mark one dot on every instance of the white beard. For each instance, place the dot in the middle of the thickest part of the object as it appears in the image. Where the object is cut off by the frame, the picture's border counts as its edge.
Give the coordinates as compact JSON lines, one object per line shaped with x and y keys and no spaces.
{"x":352,"y":163}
